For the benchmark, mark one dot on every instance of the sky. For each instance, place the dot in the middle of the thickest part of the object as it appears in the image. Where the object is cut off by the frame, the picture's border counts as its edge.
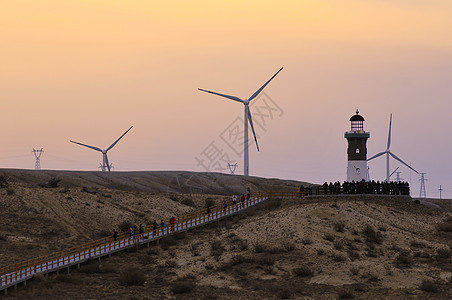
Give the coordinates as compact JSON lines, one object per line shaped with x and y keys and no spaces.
{"x":88,"y":70}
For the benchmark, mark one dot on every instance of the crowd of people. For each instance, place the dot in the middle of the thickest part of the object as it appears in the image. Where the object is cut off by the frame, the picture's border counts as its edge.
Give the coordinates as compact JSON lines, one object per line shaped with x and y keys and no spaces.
{"x":354,"y":187}
{"x":367,"y":187}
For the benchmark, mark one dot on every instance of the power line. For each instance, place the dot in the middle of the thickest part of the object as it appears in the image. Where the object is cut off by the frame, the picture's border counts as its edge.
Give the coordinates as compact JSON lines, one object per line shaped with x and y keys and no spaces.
{"x":37,"y":154}
{"x":422,"y":193}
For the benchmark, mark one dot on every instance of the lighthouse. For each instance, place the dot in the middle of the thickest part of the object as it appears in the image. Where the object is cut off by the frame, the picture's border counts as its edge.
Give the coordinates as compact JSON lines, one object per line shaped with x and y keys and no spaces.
{"x":357,"y":150}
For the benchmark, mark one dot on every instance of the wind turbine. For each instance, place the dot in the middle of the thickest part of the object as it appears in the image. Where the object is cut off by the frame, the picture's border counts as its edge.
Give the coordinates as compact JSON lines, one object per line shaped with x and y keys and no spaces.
{"x":389,"y":153}
{"x":247,"y":118}
{"x":105,"y":164}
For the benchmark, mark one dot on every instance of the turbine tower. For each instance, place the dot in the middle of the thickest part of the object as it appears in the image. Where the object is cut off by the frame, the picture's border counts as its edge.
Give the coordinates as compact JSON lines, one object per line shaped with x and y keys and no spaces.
{"x":105,"y":164}
{"x":248,"y":119}
{"x":37,"y":154}
{"x":389,"y":153}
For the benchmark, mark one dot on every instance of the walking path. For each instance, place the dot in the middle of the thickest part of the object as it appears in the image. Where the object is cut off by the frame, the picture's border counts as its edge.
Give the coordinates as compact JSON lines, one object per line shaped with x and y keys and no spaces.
{"x":12,"y":275}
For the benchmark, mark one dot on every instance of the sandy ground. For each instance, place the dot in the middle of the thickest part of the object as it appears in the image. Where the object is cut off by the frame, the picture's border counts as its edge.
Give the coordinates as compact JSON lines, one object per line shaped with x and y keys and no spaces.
{"x":316,"y":248}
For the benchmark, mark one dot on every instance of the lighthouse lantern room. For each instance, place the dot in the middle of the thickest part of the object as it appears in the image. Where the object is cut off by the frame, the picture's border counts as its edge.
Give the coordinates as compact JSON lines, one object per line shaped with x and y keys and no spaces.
{"x":357,"y":150}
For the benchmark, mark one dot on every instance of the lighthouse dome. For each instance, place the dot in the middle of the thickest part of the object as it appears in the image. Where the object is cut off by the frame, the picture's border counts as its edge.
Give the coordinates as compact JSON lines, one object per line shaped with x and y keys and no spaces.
{"x":356,"y":117}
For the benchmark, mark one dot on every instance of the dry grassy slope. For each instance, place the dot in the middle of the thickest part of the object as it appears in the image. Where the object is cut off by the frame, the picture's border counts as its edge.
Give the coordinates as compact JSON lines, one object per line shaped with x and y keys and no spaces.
{"x":39,"y":221}
{"x":328,"y":239}
{"x":154,"y":181}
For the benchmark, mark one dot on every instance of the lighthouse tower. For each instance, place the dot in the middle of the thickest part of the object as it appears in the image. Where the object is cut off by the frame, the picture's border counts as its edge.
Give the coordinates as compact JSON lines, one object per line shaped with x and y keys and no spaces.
{"x":357,"y":150}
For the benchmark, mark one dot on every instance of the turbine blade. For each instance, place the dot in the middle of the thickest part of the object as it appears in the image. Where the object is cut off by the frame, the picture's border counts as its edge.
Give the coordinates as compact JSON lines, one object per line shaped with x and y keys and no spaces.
{"x":389,"y":134}
{"x":393,"y":172}
{"x":395,"y":157}
{"x":376,"y":155}
{"x":106,"y":160}
{"x":112,"y":145}
{"x":223,"y":95}
{"x":252,"y":126}
{"x":91,"y":147}
{"x":260,"y":90}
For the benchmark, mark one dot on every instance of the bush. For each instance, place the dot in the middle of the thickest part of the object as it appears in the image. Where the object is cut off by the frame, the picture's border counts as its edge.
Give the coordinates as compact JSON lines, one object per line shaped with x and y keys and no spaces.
{"x":209,"y":202}
{"x":125,"y":225}
{"x":272,"y":204}
{"x":339,"y":257}
{"x":346,"y":295}
{"x":216,"y":248}
{"x":339,"y":226}
{"x":329,"y":237}
{"x":321,"y":252}
{"x":417,"y":244}
{"x":429,"y":286}
{"x":404,"y":259}
{"x":260,"y":248}
{"x":303,"y":271}
{"x":132,"y":276}
{"x":180,"y":287}
{"x":289,"y":246}
{"x":188,"y":202}
{"x":445,"y":226}
{"x":371,"y":235}
{"x":90,"y":269}
{"x":353,"y":255}
{"x":306,"y":241}
{"x":338,"y":245}
{"x":443,"y":254}
{"x":354,"y":270}
{"x":10,"y":191}
{"x":266,"y":260}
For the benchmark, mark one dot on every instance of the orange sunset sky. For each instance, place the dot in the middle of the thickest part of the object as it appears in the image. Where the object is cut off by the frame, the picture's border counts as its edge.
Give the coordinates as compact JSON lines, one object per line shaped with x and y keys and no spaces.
{"x":88,"y":70}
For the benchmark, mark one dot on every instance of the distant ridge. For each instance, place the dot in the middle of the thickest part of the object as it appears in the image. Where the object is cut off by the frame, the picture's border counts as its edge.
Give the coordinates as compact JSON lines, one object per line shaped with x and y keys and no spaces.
{"x":186,"y":182}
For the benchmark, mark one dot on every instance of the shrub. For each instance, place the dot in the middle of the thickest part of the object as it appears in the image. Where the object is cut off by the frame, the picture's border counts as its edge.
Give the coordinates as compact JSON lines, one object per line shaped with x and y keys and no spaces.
{"x":132,"y":276}
{"x":445,"y":226}
{"x":90,"y":269}
{"x":371,"y":235}
{"x":353,"y":255}
{"x":266,"y":260}
{"x":339,"y":257}
{"x":429,"y":286}
{"x":404,"y":258}
{"x":443,"y":254}
{"x":306,"y":241}
{"x":125,"y":225}
{"x":339,"y":226}
{"x":10,"y":191}
{"x":346,"y":295}
{"x":338,"y":245}
{"x":209,"y":202}
{"x":417,"y":244}
{"x":303,"y":271}
{"x":260,"y":247}
{"x":272,"y":204}
{"x":354,"y":270}
{"x":188,"y":202}
{"x":180,"y":287}
{"x":321,"y":252}
{"x":216,"y":248}
{"x":288,"y":246}
{"x":172,"y":264}
{"x":329,"y":237}
{"x":3,"y":237}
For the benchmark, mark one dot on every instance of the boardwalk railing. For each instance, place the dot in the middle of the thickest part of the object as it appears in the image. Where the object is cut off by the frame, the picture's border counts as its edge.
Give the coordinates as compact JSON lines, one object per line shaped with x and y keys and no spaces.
{"x":13,"y":274}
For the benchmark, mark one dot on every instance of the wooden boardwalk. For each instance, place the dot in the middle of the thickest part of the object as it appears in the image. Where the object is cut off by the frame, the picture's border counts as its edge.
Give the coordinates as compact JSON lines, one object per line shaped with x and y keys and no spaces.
{"x":12,"y":275}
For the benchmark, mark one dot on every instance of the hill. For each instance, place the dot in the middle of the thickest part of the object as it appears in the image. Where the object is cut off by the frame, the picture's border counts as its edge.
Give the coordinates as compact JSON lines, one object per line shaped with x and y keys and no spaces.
{"x":328,"y":247}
